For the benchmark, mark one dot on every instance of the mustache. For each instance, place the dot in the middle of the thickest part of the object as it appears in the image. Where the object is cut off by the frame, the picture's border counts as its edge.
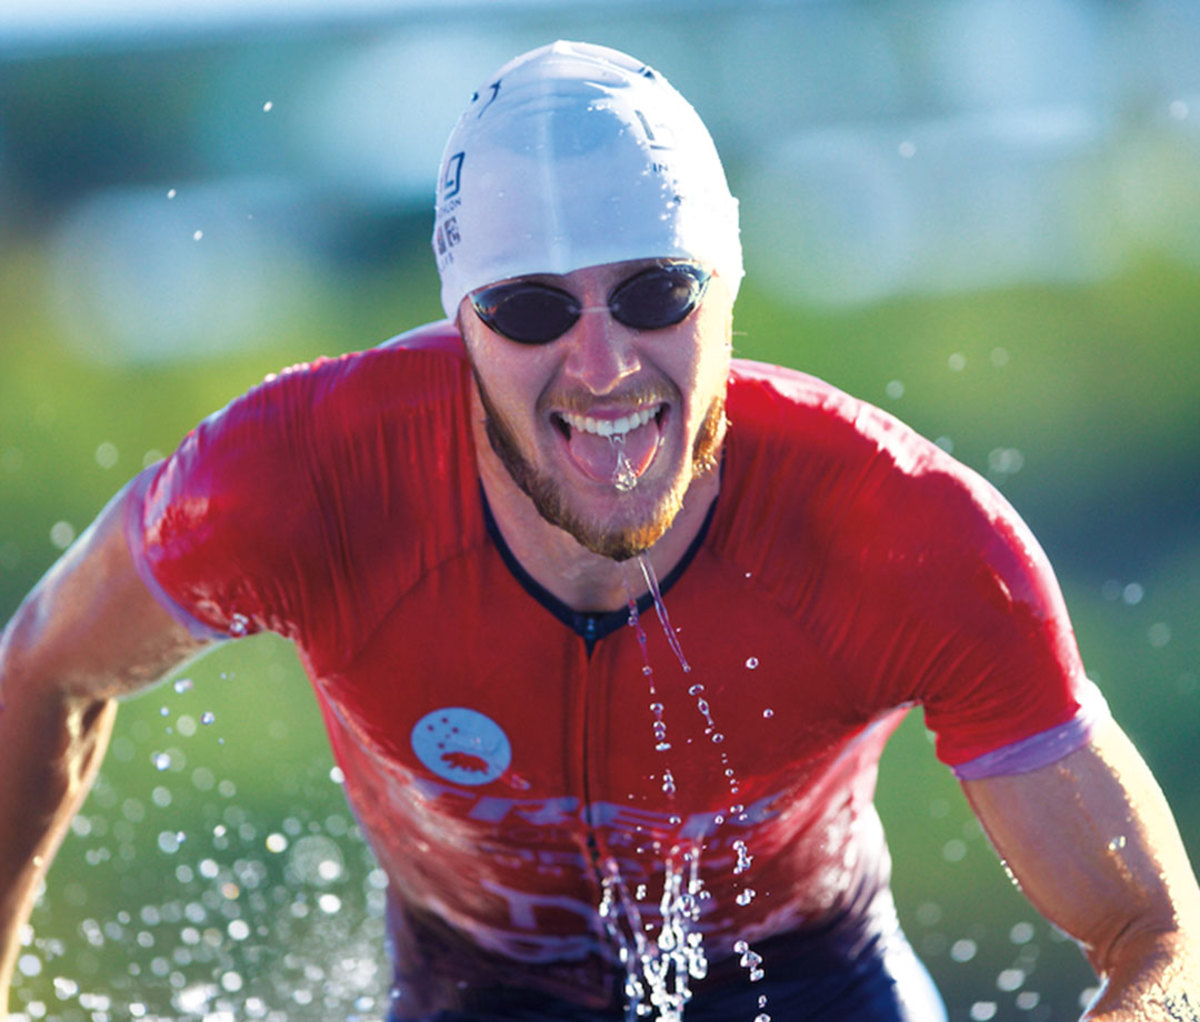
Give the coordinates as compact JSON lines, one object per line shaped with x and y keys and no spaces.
{"x":582,"y":402}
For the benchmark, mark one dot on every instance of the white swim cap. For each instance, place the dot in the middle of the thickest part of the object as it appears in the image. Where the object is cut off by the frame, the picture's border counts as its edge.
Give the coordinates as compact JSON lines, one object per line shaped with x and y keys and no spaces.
{"x":576,"y":155}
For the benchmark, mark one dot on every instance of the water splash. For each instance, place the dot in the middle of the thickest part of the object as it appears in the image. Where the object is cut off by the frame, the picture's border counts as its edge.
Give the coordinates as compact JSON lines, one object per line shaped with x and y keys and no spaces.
{"x":658,"y":972}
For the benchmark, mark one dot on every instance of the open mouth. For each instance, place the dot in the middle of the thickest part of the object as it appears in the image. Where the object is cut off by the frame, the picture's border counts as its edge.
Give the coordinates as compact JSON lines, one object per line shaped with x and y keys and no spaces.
{"x":569,"y":422}
{"x":600,"y":445}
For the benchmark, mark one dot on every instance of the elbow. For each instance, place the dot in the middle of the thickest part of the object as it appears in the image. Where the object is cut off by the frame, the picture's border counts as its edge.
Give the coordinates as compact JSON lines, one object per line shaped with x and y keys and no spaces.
{"x":1159,"y":940}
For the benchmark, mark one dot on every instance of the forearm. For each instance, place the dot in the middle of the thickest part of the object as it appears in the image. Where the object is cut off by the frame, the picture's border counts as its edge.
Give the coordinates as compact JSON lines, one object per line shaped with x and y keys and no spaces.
{"x":1092,"y":843}
{"x":50,"y":749}
{"x":89,"y":633}
{"x":1151,"y":978}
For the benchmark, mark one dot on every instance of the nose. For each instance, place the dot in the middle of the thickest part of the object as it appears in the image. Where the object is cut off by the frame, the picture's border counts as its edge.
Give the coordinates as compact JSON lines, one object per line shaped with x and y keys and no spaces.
{"x":600,"y":351}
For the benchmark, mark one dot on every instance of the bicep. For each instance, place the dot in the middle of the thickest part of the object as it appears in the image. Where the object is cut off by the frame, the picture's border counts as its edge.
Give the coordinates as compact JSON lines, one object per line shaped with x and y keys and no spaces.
{"x":1092,"y":843}
{"x":90,"y":627}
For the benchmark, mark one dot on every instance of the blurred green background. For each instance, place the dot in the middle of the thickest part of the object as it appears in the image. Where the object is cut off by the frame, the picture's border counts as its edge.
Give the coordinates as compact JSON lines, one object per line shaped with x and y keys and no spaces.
{"x":982,"y":216}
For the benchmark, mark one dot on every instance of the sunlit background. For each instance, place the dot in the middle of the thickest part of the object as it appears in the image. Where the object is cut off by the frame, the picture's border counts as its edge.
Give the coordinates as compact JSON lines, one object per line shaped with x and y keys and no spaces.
{"x":982,"y":215}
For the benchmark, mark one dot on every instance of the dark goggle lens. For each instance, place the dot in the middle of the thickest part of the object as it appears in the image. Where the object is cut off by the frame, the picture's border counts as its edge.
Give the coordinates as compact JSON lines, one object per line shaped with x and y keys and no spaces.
{"x":531,"y":313}
{"x":658,"y":297}
{"x":527,"y":313}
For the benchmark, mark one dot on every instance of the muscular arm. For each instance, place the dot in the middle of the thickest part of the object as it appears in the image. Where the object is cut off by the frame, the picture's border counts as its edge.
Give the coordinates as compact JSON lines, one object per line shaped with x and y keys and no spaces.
{"x":88,"y":633}
{"x":1091,"y":841}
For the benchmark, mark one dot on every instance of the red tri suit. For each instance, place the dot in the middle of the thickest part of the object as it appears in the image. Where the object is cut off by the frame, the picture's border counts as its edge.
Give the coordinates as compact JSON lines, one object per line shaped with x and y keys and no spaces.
{"x":499,"y":748}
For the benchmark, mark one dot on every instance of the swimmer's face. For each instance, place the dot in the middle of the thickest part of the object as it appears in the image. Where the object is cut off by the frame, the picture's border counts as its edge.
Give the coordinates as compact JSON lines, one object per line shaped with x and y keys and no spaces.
{"x":575,"y":421}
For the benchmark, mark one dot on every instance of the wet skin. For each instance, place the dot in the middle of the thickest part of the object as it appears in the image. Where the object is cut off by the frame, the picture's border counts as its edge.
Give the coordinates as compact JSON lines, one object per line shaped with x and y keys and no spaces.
{"x":552,"y":493}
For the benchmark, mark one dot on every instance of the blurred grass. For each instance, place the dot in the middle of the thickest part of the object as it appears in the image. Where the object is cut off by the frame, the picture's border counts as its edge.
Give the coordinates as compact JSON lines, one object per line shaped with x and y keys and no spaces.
{"x":1094,"y":387}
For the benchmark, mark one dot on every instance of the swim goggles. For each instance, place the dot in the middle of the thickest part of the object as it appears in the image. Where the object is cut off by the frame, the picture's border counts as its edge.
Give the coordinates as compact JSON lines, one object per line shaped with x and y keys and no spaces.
{"x":531,"y":313}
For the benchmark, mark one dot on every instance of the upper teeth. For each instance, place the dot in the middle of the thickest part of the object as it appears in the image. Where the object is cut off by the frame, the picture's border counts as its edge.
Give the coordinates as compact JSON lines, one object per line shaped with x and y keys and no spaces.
{"x":609,"y":427}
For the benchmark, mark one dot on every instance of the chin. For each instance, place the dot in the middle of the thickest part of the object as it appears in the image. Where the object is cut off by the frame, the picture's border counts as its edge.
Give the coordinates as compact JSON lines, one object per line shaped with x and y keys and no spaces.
{"x":633,"y":528}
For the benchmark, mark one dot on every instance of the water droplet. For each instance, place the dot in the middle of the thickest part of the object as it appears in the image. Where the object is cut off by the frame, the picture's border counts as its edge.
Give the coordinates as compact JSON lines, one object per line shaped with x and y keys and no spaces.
{"x":207,"y":717}
{"x":744,"y":858}
{"x":183,"y":685}
{"x":1117,"y":843}
{"x":1010,"y":980}
{"x":768,"y":713}
{"x":268,"y":106}
{"x":624,"y":478}
{"x":62,"y":534}
{"x":162,"y":761}
{"x":1160,"y":634}
{"x":963,"y":950}
{"x":746,"y":896}
{"x":750,"y":960}
{"x":1021,"y":933}
{"x":239,"y":626}
{"x":107,"y":455}
{"x":752,"y":663}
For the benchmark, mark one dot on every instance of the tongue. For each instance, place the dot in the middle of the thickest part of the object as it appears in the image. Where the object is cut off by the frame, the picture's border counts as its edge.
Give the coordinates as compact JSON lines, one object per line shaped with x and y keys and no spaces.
{"x":598,"y":456}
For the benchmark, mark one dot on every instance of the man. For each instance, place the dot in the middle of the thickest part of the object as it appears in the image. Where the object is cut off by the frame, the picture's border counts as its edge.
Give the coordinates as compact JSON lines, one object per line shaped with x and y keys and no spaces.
{"x":608,"y":628}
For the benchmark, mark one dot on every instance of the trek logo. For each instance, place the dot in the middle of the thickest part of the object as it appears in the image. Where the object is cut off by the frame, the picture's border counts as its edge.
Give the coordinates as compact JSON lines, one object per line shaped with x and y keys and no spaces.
{"x":462,"y":745}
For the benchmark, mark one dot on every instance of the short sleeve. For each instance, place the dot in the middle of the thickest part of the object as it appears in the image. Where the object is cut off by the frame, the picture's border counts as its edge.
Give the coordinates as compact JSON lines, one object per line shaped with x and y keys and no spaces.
{"x":211,"y":527}
{"x":913,"y":575}
{"x":960,"y":611}
{"x":292,"y":509}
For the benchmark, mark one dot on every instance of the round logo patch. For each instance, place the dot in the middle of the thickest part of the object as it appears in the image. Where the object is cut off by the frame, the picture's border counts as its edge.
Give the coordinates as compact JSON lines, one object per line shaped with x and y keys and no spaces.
{"x":462,"y":745}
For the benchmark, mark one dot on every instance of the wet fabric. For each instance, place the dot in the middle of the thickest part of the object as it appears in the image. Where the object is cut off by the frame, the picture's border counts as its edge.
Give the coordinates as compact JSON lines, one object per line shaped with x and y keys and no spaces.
{"x":856,"y":966}
{"x":498,"y":747}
